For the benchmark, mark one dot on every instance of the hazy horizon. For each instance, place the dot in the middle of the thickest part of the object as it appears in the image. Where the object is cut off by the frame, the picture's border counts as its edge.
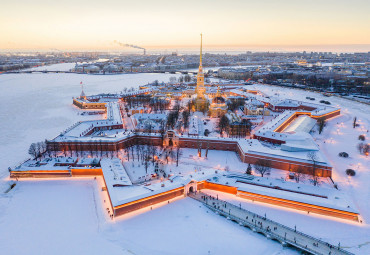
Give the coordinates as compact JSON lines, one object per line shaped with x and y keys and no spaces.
{"x":230,"y":49}
{"x":89,"y":25}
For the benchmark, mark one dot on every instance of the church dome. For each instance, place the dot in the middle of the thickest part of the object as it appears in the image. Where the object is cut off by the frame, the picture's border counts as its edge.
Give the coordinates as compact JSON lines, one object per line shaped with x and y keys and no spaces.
{"x":218,"y":100}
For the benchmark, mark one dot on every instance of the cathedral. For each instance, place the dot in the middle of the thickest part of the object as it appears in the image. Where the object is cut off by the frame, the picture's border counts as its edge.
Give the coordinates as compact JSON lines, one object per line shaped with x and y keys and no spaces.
{"x":218,"y":106}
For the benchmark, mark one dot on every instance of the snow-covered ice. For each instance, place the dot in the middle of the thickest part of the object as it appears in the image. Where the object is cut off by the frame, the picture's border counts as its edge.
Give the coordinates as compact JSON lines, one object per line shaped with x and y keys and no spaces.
{"x":68,"y":216}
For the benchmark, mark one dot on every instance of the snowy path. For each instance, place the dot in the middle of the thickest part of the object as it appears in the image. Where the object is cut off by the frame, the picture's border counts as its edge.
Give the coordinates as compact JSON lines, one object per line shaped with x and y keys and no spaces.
{"x":270,"y":229}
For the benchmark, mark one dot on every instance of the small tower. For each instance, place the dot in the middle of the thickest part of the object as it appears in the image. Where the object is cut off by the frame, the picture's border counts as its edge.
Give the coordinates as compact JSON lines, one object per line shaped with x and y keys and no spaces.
{"x":82,"y":95}
{"x":218,"y":93}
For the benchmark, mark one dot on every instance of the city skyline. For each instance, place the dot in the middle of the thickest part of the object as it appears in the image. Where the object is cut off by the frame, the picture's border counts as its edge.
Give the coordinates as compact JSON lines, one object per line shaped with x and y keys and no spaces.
{"x":338,"y":26}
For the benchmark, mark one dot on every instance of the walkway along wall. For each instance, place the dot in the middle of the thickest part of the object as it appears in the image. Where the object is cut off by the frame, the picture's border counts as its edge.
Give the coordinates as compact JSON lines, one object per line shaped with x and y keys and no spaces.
{"x":327,"y":211}
{"x":299,"y":206}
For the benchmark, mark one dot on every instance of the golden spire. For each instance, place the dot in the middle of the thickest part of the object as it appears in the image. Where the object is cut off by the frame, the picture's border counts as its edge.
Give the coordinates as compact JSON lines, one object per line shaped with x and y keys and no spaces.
{"x":201,"y":42}
{"x":200,"y":89}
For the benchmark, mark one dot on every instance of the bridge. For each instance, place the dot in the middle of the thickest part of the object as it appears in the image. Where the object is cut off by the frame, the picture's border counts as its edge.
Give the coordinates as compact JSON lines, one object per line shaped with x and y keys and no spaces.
{"x":271,"y":229}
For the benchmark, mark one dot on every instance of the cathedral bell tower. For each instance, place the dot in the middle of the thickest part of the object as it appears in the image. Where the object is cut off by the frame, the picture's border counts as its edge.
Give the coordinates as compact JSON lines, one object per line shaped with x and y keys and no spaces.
{"x":200,"y":90}
{"x":201,"y":103}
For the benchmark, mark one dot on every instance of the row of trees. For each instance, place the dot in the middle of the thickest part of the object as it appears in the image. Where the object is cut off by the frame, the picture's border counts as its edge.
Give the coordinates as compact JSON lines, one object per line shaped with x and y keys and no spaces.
{"x":237,"y":129}
{"x":140,"y":100}
{"x":36,"y":150}
{"x":184,"y":78}
{"x":174,"y":116}
{"x":159,"y":105}
{"x":263,"y":166}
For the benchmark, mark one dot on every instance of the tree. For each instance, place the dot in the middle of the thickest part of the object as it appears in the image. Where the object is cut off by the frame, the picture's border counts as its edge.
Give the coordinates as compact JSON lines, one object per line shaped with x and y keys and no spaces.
{"x":173,"y":79}
{"x":146,"y":160}
{"x":313,"y":157}
{"x":206,"y":132}
{"x":298,"y":174}
{"x":262,"y":166}
{"x":162,"y":131}
{"x":33,"y":150}
{"x":127,"y":152}
{"x":321,"y":123}
{"x":171,"y":120}
{"x":185,"y":119}
{"x":249,"y":169}
{"x":223,"y":123}
{"x":361,"y":137}
{"x":350,"y":172}
{"x":187,"y":78}
{"x":205,"y":108}
{"x":39,"y":149}
{"x":363,"y":148}
{"x":47,"y":148}
{"x":343,"y":154}
{"x":206,"y":155}
{"x":178,"y":155}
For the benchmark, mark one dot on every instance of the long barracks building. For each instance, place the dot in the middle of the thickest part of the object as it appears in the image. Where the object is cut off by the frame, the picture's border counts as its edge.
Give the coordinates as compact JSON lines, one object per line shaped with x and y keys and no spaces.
{"x":249,"y":150}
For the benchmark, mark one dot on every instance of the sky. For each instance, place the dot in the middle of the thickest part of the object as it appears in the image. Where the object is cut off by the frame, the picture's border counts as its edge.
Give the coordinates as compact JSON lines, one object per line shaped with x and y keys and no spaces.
{"x":163,"y":24}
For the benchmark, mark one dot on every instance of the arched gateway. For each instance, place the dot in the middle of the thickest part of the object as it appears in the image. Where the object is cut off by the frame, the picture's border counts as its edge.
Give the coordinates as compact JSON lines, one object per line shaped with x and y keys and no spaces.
{"x":171,"y":138}
{"x":191,"y":187}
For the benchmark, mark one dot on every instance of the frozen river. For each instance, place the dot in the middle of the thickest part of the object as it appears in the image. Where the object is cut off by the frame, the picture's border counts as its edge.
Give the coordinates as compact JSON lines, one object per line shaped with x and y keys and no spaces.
{"x":39,"y":106}
{"x":68,"y":216}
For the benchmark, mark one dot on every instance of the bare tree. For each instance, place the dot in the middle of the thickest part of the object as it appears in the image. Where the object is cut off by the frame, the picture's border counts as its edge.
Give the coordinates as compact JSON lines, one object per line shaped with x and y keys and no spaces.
{"x":146,"y":160}
{"x":185,"y":119}
{"x":33,"y":150}
{"x":127,"y":152}
{"x":207,"y":150}
{"x":249,"y":169}
{"x":178,"y":155}
{"x":223,"y":124}
{"x":47,"y":148}
{"x":262,"y":166}
{"x":313,"y":157}
{"x":298,"y":174}
{"x":39,"y":149}
{"x":322,"y":124}
{"x":162,"y":131}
